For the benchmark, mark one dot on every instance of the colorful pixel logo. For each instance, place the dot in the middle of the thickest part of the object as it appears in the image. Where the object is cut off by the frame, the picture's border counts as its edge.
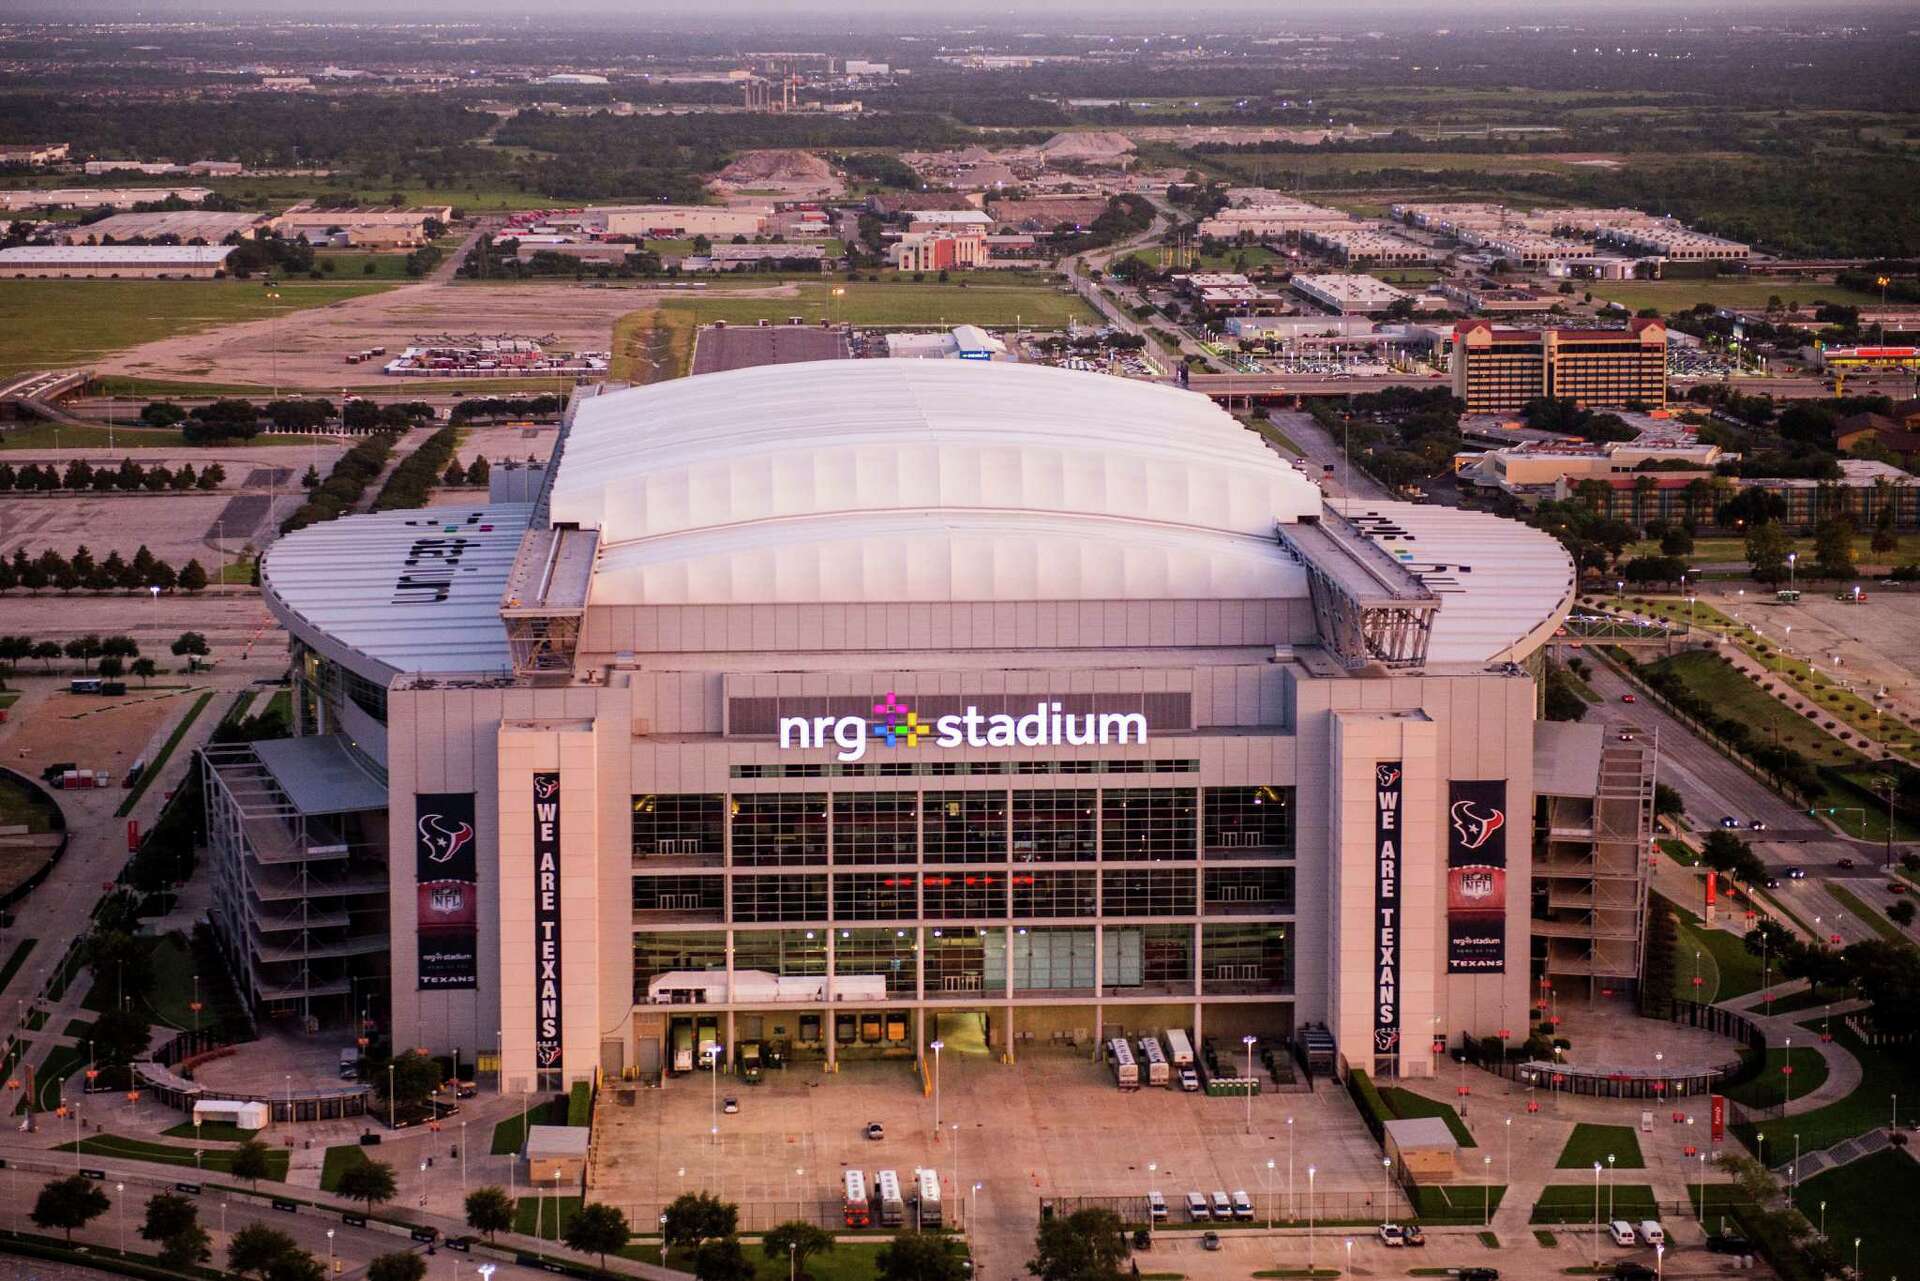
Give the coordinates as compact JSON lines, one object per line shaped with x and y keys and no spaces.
{"x":897,"y":723}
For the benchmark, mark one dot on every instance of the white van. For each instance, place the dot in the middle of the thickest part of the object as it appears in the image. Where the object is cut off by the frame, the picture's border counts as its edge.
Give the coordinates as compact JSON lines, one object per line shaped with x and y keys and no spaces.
{"x":1197,"y":1208}
{"x":1156,"y":1207}
{"x":1222,"y":1208}
{"x":1621,"y":1231}
{"x":1651,"y":1233}
{"x":1242,"y":1205}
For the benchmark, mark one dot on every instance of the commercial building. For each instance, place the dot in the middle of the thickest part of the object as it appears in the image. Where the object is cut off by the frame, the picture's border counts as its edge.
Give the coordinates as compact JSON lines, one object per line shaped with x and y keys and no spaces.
{"x":1674,"y":242}
{"x":160,"y":168}
{"x":848,"y":705}
{"x":1365,"y":246}
{"x":1274,"y":221}
{"x":184,"y":225}
{"x":1349,"y":294}
{"x":1864,"y":489}
{"x":939,"y":250}
{"x":958,"y":221}
{"x":1544,"y":469}
{"x":1499,"y":370}
{"x":756,"y":257}
{"x":115,"y":262}
{"x":36,"y":154}
{"x":962,"y":342}
{"x":381,"y":228}
{"x":679,"y":222}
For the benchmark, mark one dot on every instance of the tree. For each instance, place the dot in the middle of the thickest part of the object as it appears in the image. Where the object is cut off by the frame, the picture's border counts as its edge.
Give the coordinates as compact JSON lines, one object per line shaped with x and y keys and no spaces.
{"x":255,"y":1247}
{"x":121,"y":1036}
{"x":311,"y":479}
{"x":454,"y":475}
{"x":174,"y":1222}
{"x":193,"y":578}
{"x":918,"y":1256}
{"x":297,"y":1265}
{"x":489,"y":1210}
{"x":796,"y":1239}
{"x":479,"y":471}
{"x":1833,"y":548}
{"x":723,"y":1260}
{"x":369,"y":1181}
{"x":162,"y":413}
{"x":249,"y":1161}
{"x":694,"y":1217}
{"x":1667,"y":802}
{"x":112,"y":668}
{"x":1767,"y":549}
{"x":1901,"y":913}
{"x":1724,"y":852}
{"x":69,"y":1203}
{"x":1676,"y":542}
{"x":598,"y":1229}
{"x":192,"y":646}
{"x":399,"y":1265}
{"x":415,"y":1077}
{"x":1087,"y":1245}
{"x":46,"y":651}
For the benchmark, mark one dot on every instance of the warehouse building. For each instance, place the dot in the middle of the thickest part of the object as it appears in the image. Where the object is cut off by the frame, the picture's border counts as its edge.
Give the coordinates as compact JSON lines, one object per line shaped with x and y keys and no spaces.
{"x":1346,"y":295}
{"x":380,"y":228}
{"x":866,"y":702}
{"x":186,"y":226}
{"x":678,"y":222}
{"x":99,"y":197}
{"x":1497,"y":371}
{"x":114,"y":262}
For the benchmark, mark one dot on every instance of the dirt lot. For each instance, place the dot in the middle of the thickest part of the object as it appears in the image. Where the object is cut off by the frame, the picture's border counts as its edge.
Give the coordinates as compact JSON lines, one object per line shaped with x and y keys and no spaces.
{"x":312,"y":346}
{"x":95,"y":733}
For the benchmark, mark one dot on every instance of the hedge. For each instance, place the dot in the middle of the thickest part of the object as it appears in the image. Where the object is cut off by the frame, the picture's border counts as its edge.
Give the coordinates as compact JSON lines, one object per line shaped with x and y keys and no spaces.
{"x":412,"y":482}
{"x":1373,"y":1109}
{"x":580,"y":1104}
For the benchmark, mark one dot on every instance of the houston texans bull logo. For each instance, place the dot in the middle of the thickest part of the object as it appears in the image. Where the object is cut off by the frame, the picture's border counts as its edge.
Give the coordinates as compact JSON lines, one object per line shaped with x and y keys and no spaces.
{"x":1474,"y":828}
{"x":1386,"y":775}
{"x":441,"y":841}
{"x":545,"y":786}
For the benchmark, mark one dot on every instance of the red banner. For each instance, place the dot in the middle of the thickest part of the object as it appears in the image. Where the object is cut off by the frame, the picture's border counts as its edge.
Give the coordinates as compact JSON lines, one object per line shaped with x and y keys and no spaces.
{"x":133,"y":836}
{"x":1718,"y":1112}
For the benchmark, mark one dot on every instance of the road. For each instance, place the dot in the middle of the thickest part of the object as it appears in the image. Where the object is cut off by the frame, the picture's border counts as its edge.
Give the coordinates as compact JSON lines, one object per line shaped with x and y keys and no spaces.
{"x":1713,"y":787}
{"x":1320,"y":451}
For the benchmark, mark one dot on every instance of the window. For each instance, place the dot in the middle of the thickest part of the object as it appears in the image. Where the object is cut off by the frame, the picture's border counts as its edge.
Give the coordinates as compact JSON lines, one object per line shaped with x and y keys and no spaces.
{"x":891,"y":953}
{"x":1250,"y":818}
{"x":657,"y":953}
{"x":779,"y":898}
{"x":1249,"y":891}
{"x":875,"y":827}
{"x":796,"y":952}
{"x":776,"y":830}
{"x":678,"y":823}
{"x":682,"y":894}
{"x":958,"y":895}
{"x":957,"y":961}
{"x":1052,"y":893}
{"x":1148,"y":892}
{"x":1147,"y":823}
{"x":1246,"y":959}
{"x":965,"y":827}
{"x":1053,"y":960}
{"x":875,"y":896}
{"x":1166,"y":956}
{"x":1054,"y":826}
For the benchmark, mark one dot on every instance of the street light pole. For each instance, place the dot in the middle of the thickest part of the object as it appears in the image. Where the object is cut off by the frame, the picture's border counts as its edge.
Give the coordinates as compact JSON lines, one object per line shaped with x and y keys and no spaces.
{"x":1596,"y":1214}
{"x":936,"y":1047}
{"x":1310,"y":1174}
{"x":1293,"y":1211}
{"x":1248,"y":1042}
{"x":1386,"y":1174}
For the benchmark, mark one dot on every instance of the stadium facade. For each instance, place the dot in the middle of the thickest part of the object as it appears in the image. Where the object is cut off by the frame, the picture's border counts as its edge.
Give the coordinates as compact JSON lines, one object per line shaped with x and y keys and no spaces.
{"x":841,"y":707}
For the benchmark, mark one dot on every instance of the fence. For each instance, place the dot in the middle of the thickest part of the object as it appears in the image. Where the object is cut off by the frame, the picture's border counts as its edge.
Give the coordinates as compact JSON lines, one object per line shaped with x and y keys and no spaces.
{"x":1270,"y":1207}
{"x":1639,"y":1083}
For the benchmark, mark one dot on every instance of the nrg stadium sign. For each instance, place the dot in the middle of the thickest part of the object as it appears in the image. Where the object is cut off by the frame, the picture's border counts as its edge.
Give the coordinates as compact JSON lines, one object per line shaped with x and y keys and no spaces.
{"x":898,"y":725}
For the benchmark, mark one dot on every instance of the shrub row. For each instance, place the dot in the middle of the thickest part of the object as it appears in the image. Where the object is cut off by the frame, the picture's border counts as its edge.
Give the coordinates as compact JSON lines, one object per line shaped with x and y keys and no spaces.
{"x":336,"y":495}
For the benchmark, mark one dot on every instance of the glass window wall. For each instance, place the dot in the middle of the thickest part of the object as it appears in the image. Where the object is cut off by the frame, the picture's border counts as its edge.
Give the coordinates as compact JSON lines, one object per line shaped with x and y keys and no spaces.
{"x":779,"y":829}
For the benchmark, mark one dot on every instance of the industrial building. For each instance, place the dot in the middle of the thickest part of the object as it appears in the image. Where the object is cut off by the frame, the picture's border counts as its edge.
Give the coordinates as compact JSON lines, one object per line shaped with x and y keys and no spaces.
{"x":184,"y":225}
{"x":114,"y":262}
{"x":678,"y":222}
{"x":99,"y":197}
{"x":753,"y":257}
{"x":34,"y":154}
{"x":1497,"y":370}
{"x":378,"y":228}
{"x":962,"y":342}
{"x":863,"y":702}
{"x":163,"y":168}
{"x":1366,"y":246}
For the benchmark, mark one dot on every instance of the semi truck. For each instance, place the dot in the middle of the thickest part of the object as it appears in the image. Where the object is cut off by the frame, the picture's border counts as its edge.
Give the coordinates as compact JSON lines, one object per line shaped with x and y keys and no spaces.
{"x":1126,"y":1072}
{"x":1155,"y":1061}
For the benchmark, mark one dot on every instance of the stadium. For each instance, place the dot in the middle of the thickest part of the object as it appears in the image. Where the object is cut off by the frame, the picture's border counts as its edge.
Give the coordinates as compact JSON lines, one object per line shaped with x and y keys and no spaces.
{"x":839,"y":708}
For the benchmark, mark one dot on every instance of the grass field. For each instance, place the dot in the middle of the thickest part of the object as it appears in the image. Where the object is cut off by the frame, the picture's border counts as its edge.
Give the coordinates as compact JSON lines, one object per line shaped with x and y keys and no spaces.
{"x":1470,"y":1203}
{"x":1861,"y":1200}
{"x":339,"y":1159}
{"x":1885,"y":1072}
{"x":464,"y":199}
{"x":62,"y":1062}
{"x":898,"y":302}
{"x":53,"y":324}
{"x":160,"y":758}
{"x":1736,"y":696}
{"x":1767,"y":1090}
{"x":58,"y":436}
{"x":1407,"y":1105}
{"x":1679,"y":295}
{"x":16,"y":960}
{"x":212,"y":1132}
{"x":1726,"y":968}
{"x":24,"y":803}
{"x":508,"y":1135}
{"x":1868,"y":914}
{"x":216,"y":1162}
{"x":174,"y":968}
{"x":537,"y":1216}
{"x":1573,"y":1203}
{"x":1590,"y":1143}
{"x":847,"y":1261}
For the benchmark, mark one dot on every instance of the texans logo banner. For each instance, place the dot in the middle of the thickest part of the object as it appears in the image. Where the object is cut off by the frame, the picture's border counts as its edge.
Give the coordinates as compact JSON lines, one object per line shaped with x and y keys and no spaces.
{"x":1386,"y":907}
{"x":546,"y":921}
{"x":445,"y":871}
{"x":1477,"y":877}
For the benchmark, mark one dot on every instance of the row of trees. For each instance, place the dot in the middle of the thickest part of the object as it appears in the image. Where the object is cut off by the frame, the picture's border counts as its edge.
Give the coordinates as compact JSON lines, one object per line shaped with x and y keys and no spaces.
{"x":540,"y":406}
{"x":114,"y":650}
{"x":1785,"y":766}
{"x":412,"y":482}
{"x":234,"y":418}
{"x":345,"y":483}
{"x":81,"y":572}
{"x":79,"y":475}
{"x":707,"y":1230}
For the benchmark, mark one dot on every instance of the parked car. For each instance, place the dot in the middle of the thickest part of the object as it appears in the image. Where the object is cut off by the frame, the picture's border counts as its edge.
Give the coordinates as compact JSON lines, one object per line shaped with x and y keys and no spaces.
{"x":1896,"y":887}
{"x":1628,"y":698}
{"x":1414,"y":1235}
{"x":1729,"y":821}
{"x":1621,"y":1231}
{"x":876,"y":1131}
{"x":1479,"y":1274}
{"x":1729,"y":1243}
{"x":1209,"y":1240}
{"x":729,"y":1105}
{"x":1392,"y":1235}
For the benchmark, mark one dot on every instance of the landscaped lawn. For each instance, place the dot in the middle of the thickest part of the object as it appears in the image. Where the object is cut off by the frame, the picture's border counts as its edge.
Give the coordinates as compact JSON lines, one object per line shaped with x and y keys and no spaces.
{"x":1462,"y":1203}
{"x":1590,"y":1143}
{"x":1406,"y":1105}
{"x":1574,"y":1202}
{"x":1738,"y":697}
{"x":1864,"y":1200}
{"x":1768,"y":1089}
{"x":1869,"y":915}
{"x":54,"y":324}
{"x":1679,"y":295}
{"x":536,"y":1216}
{"x":217,"y":1161}
{"x":21,"y":803}
{"x":1885,"y":1071}
{"x":160,"y":758}
{"x":339,"y":1159}
{"x":211,"y":1132}
{"x":1726,"y":967}
{"x":62,"y":1062}
{"x":847,"y":1261}
{"x":508,"y":1135}
{"x":17,"y":959}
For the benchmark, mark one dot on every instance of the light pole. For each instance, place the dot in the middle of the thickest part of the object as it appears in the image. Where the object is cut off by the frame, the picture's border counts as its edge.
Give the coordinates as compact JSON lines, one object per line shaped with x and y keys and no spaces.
{"x":1268,"y":1185}
{"x":663,"y":1240}
{"x":1310,"y":1174}
{"x":1293,"y":1211}
{"x":790,"y":1263}
{"x":1248,"y":1042}
{"x":1786,"y":1079}
{"x":1509,"y":1150}
{"x":1703,"y":1189}
{"x":1792,"y":557}
{"x":119,"y":1194}
{"x":713,"y":1072}
{"x":1659,"y":1262}
{"x":392,"y":1126}
{"x":1823,"y":1220}
{"x":329,"y":1251}
{"x":423,"y":1183}
{"x":1486,"y":1192}
{"x":1609,"y":1186}
{"x":937,"y":1046}
{"x":463,"y":1159}
{"x":1386,"y":1175}
{"x":1349,"y":1271}
{"x":485,"y":1270}
{"x":1793,"y":1171}
{"x":1596,"y":1214}
{"x":1153,"y":1168}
